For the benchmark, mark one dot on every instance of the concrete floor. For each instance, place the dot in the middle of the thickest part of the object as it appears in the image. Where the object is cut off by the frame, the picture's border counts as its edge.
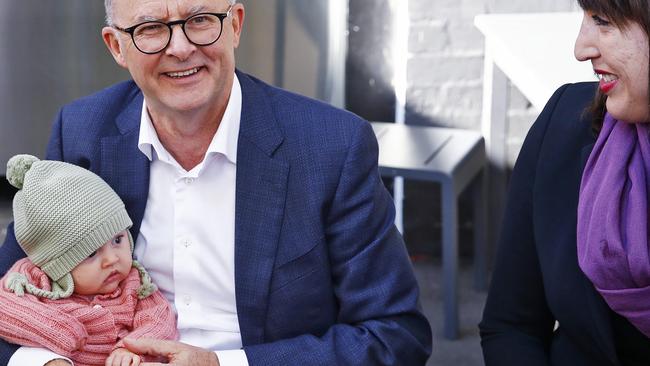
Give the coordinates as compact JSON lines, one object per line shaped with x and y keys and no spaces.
{"x":465,"y":351}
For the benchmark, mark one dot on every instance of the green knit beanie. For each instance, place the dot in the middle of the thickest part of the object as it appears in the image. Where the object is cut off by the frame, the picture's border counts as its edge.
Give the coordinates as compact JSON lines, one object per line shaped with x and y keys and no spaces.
{"x":62,"y":214}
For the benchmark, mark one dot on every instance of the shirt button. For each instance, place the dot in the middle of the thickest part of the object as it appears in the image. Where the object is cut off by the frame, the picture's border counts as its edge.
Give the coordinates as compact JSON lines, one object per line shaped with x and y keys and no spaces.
{"x":189,"y":180}
{"x":187,"y":299}
{"x":186,"y":243}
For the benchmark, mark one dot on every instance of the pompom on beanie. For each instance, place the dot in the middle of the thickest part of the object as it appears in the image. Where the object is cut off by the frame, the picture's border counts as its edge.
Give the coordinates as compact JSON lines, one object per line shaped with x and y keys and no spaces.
{"x":62,"y":214}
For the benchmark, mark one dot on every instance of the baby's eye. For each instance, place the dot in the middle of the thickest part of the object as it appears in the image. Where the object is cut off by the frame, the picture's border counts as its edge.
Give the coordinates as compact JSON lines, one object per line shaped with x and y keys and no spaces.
{"x":92,"y":254}
{"x":117,"y":239}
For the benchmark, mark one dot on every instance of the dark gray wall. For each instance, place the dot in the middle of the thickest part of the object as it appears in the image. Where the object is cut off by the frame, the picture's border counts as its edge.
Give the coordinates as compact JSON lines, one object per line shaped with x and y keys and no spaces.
{"x":51,"y":52}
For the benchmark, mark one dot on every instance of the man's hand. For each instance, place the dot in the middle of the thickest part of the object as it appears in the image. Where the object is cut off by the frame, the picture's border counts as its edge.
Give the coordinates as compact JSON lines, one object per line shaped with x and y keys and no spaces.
{"x":122,"y":357}
{"x":176,"y":353}
{"x":58,"y":362}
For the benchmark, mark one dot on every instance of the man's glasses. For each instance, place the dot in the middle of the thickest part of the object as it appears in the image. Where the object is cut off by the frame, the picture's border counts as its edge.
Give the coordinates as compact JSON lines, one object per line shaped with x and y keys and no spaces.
{"x":201,"y":29}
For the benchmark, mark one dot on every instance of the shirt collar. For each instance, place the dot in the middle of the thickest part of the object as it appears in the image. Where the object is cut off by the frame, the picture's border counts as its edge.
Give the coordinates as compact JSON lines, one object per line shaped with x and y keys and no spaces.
{"x":223,"y":142}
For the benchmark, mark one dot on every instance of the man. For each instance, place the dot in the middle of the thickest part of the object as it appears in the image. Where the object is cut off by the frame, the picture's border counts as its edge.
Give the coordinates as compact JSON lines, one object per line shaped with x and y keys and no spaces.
{"x":259,"y":213}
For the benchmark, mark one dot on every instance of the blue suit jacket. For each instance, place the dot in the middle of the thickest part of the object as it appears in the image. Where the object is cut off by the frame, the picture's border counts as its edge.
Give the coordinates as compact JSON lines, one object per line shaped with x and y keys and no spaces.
{"x":322,"y":276}
{"x":537,"y":280}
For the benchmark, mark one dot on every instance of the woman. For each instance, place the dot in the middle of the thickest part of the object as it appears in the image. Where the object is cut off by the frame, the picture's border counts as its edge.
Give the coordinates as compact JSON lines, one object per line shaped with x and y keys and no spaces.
{"x":571,"y":282}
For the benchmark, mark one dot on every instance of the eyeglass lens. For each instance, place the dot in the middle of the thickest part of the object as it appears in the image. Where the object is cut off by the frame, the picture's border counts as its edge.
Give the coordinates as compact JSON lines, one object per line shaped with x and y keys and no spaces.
{"x":200,"y":29}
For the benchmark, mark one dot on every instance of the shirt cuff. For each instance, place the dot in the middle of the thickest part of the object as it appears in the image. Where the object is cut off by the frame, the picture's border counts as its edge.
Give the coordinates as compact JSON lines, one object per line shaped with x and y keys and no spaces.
{"x":235,"y":357}
{"x":30,"y":356}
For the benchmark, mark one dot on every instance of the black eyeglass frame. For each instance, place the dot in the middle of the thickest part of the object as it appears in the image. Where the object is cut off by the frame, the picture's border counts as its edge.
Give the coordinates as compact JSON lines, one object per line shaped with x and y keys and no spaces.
{"x":131,"y":30}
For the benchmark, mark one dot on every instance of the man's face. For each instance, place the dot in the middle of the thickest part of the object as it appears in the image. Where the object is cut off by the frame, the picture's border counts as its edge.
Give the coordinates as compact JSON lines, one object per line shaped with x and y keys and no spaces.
{"x":183,"y":78}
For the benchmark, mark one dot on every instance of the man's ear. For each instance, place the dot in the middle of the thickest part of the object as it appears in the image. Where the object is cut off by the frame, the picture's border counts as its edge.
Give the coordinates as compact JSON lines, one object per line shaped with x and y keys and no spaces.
{"x":114,"y":46}
{"x":237,"y":22}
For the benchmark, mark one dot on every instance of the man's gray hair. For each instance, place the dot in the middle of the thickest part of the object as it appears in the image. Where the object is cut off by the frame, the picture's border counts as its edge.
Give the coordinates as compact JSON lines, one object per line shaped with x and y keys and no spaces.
{"x":108,"y":7}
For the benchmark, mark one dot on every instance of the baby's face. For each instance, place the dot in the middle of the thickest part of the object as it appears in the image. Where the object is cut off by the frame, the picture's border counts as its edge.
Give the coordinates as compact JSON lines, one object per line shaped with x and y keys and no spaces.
{"x":102,"y":271}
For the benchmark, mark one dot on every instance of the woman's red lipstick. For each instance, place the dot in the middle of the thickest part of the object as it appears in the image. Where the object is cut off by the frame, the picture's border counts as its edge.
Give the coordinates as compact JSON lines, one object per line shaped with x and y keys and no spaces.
{"x":605,"y":86}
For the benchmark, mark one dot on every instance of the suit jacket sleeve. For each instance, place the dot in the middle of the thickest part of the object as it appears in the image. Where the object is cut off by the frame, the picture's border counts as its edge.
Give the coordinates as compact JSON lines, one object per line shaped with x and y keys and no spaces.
{"x":517,"y":324}
{"x":379,"y":321}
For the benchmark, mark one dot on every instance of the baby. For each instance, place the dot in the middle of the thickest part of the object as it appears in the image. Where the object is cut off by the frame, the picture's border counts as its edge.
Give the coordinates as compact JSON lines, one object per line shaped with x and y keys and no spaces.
{"x":78,"y":293}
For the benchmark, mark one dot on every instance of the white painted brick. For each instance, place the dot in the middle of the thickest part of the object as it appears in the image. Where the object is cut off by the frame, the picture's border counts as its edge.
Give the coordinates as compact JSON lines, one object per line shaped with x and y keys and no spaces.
{"x":470,"y":8}
{"x":445,"y":65}
{"x":510,"y":6}
{"x":519,"y":122}
{"x":433,"y":9}
{"x":464,"y":36}
{"x":437,"y":69}
{"x":516,"y":99}
{"x":465,"y":97}
{"x":513,"y":147}
{"x":428,"y":37}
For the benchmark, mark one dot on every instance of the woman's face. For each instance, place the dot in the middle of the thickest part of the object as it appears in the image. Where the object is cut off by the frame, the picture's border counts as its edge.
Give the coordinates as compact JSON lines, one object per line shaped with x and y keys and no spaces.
{"x":619,"y":57}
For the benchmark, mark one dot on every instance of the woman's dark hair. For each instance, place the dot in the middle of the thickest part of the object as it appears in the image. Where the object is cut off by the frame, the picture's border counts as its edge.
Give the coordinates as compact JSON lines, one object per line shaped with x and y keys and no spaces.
{"x":620,"y":13}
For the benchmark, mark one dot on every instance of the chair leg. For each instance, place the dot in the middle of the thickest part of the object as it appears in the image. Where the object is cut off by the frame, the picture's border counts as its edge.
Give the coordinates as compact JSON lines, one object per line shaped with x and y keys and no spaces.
{"x":450,"y":259}
{"x":479,"y":191}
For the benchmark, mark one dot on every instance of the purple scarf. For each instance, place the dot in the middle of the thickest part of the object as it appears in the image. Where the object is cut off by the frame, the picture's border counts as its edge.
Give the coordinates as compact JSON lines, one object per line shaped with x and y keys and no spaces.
{"x":613,"y":217}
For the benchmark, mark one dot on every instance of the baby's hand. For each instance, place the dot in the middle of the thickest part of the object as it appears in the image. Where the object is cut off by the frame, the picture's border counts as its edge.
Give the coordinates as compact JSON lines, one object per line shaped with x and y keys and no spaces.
{"x":122,"y":357}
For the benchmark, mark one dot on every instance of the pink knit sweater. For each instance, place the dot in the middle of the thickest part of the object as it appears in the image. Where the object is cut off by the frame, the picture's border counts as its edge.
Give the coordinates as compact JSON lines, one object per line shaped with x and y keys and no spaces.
{"x":84,"y":328}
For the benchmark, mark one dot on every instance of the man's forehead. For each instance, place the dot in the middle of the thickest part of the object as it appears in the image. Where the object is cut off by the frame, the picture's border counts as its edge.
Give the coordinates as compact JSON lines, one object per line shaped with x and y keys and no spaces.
{"x":143,"y":10}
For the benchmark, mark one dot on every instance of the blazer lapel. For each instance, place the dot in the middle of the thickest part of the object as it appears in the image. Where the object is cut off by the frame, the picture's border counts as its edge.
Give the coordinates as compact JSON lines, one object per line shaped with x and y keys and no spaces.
{"x":124,"y":166}
{"x":259,"y":208}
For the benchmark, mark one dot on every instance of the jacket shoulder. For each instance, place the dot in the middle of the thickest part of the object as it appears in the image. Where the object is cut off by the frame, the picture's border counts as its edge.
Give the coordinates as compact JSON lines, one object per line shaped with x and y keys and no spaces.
{"x":303,"y":117}
{"x":567,"y":112}
{"x":111,"y":98}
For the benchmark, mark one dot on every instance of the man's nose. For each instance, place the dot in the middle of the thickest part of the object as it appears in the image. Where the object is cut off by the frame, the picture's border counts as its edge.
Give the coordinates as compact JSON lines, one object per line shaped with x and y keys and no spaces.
{"x":179,"y":45}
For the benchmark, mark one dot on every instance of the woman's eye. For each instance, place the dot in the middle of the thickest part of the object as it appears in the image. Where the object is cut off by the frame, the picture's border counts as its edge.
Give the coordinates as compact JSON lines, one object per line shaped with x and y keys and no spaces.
{"x":599,"y":20}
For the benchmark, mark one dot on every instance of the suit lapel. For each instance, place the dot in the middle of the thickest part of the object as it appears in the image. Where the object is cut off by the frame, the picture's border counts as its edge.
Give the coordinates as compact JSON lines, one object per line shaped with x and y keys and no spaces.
{"x":259,"y":208}
{"x":123,"y":166}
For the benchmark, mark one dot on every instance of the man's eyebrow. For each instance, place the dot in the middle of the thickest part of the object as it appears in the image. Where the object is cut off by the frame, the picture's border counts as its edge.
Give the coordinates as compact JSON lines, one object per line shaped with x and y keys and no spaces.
{"x":196,"y":9}
{"x":146,"y":18}
{"x":193,"y":10}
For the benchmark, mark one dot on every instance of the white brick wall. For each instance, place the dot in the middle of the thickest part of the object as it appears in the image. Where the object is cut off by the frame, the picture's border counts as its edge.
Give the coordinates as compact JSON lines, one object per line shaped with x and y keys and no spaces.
{"x":445,"y":66}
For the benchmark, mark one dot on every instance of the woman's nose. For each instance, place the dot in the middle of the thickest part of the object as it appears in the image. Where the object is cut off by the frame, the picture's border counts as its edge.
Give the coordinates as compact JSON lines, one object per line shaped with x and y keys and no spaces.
{"x":586,"y":46}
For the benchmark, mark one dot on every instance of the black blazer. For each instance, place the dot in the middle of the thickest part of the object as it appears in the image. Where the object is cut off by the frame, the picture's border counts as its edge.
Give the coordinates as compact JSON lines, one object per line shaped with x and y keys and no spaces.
{"x":536,"y":280}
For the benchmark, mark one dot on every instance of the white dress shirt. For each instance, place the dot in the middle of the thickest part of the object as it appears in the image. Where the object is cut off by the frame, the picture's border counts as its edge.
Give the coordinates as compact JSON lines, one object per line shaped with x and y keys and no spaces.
{"x":187,"y":237}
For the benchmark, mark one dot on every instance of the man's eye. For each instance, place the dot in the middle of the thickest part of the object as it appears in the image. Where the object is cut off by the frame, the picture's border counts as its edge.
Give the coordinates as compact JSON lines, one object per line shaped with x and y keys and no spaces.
{"x":149,"y":28}
{"x":199,"y":19}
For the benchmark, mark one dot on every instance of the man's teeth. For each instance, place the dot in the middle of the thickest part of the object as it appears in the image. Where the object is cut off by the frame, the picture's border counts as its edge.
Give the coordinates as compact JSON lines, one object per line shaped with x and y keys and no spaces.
{"x":607,"y":77}
{"x":181,"y":74}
